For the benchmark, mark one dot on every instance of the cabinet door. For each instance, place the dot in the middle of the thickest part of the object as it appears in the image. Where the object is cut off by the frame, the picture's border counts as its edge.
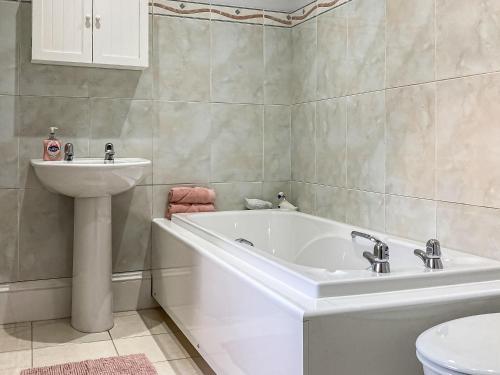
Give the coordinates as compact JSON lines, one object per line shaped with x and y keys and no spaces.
{"x":121,"y":33}
{"x":62,"y":31}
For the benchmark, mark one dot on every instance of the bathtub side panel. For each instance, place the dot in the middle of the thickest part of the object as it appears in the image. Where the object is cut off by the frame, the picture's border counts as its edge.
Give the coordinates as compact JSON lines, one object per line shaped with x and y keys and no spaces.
{"x":238,"y":328}
{"x":381,"y":342}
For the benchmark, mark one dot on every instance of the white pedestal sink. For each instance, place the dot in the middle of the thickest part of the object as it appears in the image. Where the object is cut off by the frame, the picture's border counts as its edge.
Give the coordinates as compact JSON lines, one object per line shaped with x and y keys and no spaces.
{"x":91,"y":182}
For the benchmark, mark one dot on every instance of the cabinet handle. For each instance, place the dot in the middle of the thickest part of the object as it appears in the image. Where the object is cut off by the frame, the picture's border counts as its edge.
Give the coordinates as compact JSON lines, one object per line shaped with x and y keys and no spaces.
{"x":88,"y":19}
{"x":98,"y":21}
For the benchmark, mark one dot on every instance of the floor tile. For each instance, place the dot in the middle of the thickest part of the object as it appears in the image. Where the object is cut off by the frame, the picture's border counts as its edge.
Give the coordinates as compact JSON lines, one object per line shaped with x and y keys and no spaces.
{"x":127,"y":326}
{"x":15,"y":336}
{"x":14,"y":362}
{"x":157,"y":348}
{"x":59,"y":332}
{"x":72,"y":353}
{"x":181,"y":367}
{"x":156,"y":320}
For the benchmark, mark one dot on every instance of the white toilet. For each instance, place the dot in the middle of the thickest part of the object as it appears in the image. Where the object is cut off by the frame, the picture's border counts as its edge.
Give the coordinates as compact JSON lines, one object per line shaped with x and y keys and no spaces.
{"x":464,"y":346}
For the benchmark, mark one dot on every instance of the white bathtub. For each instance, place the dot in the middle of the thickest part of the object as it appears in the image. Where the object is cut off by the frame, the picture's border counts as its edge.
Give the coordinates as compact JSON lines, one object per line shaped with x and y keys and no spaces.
{"x":320,"y":259}
{"x":303,"y":300}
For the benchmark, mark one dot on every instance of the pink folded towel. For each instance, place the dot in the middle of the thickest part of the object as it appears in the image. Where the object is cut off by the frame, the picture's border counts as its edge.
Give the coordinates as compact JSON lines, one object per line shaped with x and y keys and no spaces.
{"x":177,"y":208}
{"x":191,"y":195}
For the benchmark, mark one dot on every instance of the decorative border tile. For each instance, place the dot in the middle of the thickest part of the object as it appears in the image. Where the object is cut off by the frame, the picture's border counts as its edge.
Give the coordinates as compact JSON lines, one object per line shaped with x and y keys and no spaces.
{"x":225,"y":13}
{"x":325,"y":6}
{"x":181,"y":9}
{"x":303,"y":14}
{"x":234,"y":14}
{"x":277,"y":19}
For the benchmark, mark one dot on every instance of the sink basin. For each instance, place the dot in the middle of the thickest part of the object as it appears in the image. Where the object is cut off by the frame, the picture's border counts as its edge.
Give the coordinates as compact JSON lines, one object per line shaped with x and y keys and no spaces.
{"x":91,"y":182}
{"x":88,"y":177}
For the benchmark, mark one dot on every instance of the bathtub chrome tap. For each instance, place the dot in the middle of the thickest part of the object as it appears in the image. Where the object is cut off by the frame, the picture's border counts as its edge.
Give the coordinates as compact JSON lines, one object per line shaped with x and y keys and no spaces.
{"x":431,"y":256}
{"x":379,"y":260}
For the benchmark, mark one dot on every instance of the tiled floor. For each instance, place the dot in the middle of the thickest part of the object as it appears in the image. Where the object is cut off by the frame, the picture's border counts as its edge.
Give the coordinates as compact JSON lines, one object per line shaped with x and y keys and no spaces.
{"x":45,"y":343}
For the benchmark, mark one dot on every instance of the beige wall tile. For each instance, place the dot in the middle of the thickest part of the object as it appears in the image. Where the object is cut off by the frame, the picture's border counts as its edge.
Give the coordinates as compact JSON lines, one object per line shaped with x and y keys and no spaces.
{"x":468,"y":228}
{"x":410,"y":218}
{"x":277,"y":162}
{"x":181,"y":143}
{"x":8,"y":141}
{"x":9,"y":18}
{"x":331,"y":203}
{"x":304,"y":61}
{"x":333,"y":68}
{"x":132,"y":213}
{"x":365,"y":141}
{"x":181,"y":56}
{"x":230,"y":196}
{"x":467,"y":140}
{"x":410,"y":150}
{"x":128,"y":124}
{"x":304,"y":197}
{"x":237,"y":57}
{"x":237,"y":143}
{"x":467,"y":37}
{"x":410,"y":41}
{"x":331,"y":127}
{"x":277,"y":64}
{"x":365,"y":210}
{"x":366,"y":41}
{"x":303,"y":142}
{"x":9,"y":231}
{"x":46,"y":235}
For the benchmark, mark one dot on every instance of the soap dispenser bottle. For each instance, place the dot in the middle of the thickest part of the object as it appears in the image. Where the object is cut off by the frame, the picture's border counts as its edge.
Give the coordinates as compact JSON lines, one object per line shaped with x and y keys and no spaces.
{"x":52,"y":147}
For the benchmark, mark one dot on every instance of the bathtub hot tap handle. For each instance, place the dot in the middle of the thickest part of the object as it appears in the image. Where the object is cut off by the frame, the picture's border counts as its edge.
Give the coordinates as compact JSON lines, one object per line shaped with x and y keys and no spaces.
{"x":380,"y":249}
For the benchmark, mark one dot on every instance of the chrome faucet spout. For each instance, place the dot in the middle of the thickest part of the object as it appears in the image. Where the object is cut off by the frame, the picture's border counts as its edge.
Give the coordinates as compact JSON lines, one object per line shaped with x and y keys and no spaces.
{"x":109,"y":152}
{"x":68,"y":152}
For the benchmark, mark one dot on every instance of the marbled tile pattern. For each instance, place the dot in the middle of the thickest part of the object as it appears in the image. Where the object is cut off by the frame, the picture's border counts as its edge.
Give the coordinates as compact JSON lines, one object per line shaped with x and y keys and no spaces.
{"x":237,"y":63}
{"x":365,"y":142}
{"x":410,"y":137}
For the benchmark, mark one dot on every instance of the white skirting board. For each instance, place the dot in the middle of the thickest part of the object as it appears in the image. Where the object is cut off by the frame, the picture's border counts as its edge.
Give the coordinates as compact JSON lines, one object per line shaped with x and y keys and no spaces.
{"x":51,"y":299}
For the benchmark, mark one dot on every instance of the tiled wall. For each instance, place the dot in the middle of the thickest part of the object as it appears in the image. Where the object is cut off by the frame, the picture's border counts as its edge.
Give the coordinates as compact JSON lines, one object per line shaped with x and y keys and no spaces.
{"x":396,"y":119}
{"x":213,"y":109}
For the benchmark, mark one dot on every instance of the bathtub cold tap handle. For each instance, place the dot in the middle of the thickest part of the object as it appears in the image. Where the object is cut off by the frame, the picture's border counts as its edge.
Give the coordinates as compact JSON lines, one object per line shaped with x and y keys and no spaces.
{"x":431,"y":256}
{"x":377,"y":265}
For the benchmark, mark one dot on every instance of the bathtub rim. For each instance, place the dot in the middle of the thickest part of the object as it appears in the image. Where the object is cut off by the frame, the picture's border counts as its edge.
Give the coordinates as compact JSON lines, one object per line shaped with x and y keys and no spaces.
{"x":348,"y":286}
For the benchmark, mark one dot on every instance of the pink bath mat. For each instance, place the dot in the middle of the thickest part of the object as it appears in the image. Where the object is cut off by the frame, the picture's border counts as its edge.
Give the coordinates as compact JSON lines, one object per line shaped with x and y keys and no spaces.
{"x":136,"y":364}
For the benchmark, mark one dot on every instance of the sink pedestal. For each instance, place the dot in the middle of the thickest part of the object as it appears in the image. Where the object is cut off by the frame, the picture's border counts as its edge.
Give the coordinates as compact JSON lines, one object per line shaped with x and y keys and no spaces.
{"x":92,"y":301}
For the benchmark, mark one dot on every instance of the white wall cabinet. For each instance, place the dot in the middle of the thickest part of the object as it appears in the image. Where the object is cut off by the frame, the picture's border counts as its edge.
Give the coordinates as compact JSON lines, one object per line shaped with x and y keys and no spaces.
{"x":105,"y":33}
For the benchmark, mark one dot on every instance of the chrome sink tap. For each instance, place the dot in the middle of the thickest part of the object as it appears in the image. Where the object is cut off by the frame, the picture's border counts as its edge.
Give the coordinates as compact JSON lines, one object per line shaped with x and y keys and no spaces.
{"x":68,"y":152}
{"x":379,"y":260}
{"x":109,"y":153}
{"x":431,"y":256}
